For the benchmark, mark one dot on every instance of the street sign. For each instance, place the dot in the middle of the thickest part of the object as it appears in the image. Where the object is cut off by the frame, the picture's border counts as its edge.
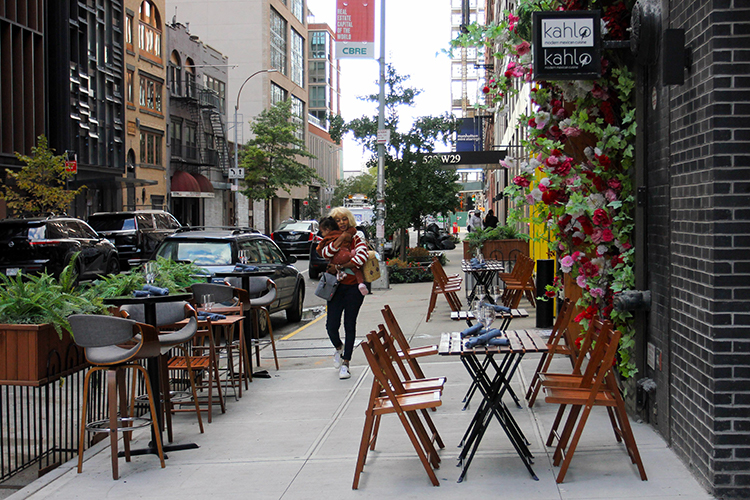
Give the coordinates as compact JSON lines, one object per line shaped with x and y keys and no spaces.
{"x":384,"y":136}
{"x":236,"y":173}
{"x":454,"y":159}
{"x":71,"y":166}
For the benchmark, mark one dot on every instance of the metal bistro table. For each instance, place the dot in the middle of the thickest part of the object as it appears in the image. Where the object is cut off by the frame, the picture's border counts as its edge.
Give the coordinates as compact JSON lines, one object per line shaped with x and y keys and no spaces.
{"x":149,"y":314}
{"x":492,"y":387}
{"x":482,"y":276}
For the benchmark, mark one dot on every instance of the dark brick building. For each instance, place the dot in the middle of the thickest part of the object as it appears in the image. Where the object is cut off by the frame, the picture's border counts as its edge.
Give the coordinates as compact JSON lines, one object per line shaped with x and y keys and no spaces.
{"x":693,"y":224}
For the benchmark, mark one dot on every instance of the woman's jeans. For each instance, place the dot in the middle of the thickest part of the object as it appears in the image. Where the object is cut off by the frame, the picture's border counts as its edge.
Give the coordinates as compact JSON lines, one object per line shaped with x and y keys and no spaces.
{"x":347,"y":300}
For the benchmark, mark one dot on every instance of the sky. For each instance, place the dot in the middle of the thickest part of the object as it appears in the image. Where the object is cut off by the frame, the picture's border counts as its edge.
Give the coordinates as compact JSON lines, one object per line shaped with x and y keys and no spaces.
{"x":415,"y":33}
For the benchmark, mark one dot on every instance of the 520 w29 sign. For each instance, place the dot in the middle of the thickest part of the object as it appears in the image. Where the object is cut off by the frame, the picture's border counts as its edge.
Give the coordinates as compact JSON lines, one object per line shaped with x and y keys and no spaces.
{"x":567,"y":45}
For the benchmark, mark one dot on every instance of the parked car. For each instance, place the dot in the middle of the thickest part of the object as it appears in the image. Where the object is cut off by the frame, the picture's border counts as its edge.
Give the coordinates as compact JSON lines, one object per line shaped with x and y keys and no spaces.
{"x":295,"y":237}
{"x":30,"y":246}
{"x":135,"y":234}
{"x":217,"y":250}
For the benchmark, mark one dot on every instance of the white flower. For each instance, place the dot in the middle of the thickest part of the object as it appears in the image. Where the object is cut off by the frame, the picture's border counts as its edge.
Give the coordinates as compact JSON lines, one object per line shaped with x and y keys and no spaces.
{"x":596,"y":200}
{"x":525,"y":59}
{"x":510,"y":162}
{"x":536,"y":194}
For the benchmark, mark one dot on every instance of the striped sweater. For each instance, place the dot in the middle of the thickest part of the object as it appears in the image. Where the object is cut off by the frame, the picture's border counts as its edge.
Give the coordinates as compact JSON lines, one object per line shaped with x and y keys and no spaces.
{"x":359,"y":255}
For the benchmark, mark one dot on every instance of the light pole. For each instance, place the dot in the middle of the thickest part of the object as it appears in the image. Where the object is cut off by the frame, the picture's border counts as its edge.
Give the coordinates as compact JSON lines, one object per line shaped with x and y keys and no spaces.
{"x":237,"y":146}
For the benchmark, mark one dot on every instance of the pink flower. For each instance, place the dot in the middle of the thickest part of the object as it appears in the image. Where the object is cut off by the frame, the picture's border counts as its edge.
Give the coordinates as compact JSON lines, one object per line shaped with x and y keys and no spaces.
{"x":581,"y":281}
{"x":552,"y":161}
{"x":610,"y":195}
{"x":607,"y":235}
{"x":572,"y":131}
{"x":596,"y":292}
{"x":512,"y":20}
{"x":614,"y":184}
{"x":566,"y":263}
{"x":523,"y":48}
{"x":576,"y":255}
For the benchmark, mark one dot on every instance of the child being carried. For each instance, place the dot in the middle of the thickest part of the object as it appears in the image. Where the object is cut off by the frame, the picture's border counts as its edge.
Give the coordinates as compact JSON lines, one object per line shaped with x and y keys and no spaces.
{"x":331,"y":232}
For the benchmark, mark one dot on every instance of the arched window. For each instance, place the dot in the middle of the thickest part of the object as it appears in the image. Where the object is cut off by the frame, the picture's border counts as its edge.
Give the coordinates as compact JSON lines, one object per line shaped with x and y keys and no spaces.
{"x":190,"y":78}
{"x":174,"y":73}
{"x":149,"y":30}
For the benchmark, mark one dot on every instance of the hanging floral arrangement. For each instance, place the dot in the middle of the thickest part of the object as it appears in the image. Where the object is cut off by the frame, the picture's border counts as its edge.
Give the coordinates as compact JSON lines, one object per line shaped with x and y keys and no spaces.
{"x":575,"y":176}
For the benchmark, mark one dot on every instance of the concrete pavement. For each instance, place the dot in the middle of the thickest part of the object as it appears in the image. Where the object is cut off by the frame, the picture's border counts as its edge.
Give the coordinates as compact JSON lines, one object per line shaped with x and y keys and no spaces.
{"x":296,"y":436}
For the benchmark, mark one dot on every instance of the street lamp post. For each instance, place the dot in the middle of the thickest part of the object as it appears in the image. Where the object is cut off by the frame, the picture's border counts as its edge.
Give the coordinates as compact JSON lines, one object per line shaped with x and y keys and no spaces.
{"x":237,"y":146}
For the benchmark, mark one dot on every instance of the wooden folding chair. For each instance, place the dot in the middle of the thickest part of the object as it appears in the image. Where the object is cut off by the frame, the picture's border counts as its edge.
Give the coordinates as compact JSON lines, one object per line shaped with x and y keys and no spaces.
{"x":443,"y":284}
{"x":388,"y":395}
{"x":596,"y":387}
{"x":560,"y":342}
{"x":408,"y":353}
{"x":519,"y":280}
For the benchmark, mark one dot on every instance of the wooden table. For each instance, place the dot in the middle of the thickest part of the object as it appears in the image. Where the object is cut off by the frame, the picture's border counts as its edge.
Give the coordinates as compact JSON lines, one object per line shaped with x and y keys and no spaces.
{"x":149,"y":314}
{"x":492,"y":387}
{"x":482,"y":276}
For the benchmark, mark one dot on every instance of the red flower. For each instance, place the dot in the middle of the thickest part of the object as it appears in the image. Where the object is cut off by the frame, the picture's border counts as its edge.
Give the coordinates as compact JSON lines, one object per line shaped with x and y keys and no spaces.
{"x":604,"y":161}
{"x":564,"y":221}
{"x":519,"y":180}
{"x":486,"y":89}
{"x":607,"y":235}
{"x":550,"y":196}
{"x":601,"y":218}
{"x":550,"y":293}
{"x":606,"y":109}
{"x":586,"y":225}
{"x":614,"y":184}
{"x":532,"y":123}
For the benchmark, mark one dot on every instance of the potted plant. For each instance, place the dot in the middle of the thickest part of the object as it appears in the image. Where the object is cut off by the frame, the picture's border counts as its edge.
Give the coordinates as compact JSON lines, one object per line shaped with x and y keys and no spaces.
{"x":498,"y":243}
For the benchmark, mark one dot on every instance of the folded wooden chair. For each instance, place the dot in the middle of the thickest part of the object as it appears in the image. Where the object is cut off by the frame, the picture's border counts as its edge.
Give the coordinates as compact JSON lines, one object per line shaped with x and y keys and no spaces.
{"x":560,"y":342}
{"x":596,"y":387}
{"x":406,"y":352}
{"x":388,"y":395}
{"x":520,"y":279}
{"x":443,"y":284}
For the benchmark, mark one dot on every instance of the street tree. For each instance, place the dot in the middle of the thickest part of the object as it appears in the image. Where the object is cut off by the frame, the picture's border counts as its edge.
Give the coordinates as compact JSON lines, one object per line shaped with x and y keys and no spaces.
{"x":272,"y":158}
{"x":39,"y":188}
{"x":415,"y":187}
{"x":365,"y":183}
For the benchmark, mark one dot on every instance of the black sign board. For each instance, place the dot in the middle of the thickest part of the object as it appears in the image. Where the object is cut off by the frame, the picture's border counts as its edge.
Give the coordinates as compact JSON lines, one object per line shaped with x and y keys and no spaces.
{"x":567,"y":45}
{"x":467,"y":157}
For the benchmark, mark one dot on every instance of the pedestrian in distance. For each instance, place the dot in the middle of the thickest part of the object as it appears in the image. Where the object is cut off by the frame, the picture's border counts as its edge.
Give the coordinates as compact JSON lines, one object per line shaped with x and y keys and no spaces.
{"x":490,"y":221}
{"x":347,"y":299}
{"x":475,"y":222}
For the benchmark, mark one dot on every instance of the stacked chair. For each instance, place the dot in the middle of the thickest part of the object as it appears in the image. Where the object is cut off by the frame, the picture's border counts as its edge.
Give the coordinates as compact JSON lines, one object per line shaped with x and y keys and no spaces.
{"x":519,"y":281}
{"x":582,"y":391}
{"x":406,"y":352}
{"x":445,"y":285}
{"x":114,"y":345}
{"x":407,"y":398}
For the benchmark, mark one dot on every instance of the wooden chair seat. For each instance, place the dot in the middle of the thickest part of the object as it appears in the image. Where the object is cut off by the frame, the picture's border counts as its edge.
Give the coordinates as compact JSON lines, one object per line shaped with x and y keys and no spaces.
{"x":418,"y":352}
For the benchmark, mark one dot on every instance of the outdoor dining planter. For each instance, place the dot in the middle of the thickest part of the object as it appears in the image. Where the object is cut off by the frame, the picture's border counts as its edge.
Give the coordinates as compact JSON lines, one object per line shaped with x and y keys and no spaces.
{"x":35,"y":354}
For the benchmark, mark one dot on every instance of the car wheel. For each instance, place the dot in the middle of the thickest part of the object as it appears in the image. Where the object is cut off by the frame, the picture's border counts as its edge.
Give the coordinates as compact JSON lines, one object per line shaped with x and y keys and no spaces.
{"x":314,"y":274}
{"x":294,"y":313}
{"x":113,"y":266}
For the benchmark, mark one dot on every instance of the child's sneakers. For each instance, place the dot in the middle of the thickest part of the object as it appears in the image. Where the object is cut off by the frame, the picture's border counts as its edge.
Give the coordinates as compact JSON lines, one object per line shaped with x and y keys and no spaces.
{"x":363,"y":289}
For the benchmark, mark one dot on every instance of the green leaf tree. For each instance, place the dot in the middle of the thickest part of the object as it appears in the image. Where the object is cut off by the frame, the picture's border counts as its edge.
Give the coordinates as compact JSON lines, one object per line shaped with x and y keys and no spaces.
{"x":272,"y":158}
{"x":364,"y":183}
{"x":39,"y":187}
{"x":415,"y":187}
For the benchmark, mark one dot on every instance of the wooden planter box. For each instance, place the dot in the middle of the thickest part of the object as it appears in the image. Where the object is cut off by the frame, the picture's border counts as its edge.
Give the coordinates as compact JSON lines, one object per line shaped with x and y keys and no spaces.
{"x":505,"y":250}
{"x":35,"y":355}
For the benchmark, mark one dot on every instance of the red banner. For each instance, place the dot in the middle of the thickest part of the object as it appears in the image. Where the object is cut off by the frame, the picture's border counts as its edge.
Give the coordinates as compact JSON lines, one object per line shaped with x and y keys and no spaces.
{"x":355,"y":20}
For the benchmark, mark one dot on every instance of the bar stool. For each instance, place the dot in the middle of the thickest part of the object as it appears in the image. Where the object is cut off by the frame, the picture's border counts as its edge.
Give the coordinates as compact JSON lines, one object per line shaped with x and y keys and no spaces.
{"x":264,"y":292}
{"x":114,"y":344}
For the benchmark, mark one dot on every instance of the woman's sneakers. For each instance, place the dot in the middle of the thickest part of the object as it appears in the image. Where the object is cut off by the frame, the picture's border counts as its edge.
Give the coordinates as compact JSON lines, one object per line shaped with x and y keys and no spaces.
{"x":337,"y":357}
{"x":344,"y":372}
{"x":363,"y":289}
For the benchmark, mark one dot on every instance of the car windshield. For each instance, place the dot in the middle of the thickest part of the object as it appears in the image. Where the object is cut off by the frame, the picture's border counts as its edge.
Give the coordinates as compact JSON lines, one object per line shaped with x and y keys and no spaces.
{"x":112,"y":222}
{"x":201,"y":253}
{"x":295,"y":226}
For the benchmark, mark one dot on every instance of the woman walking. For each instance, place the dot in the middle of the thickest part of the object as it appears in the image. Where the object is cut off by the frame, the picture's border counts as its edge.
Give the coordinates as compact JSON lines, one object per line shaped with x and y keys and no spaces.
{"x":347,"y":299}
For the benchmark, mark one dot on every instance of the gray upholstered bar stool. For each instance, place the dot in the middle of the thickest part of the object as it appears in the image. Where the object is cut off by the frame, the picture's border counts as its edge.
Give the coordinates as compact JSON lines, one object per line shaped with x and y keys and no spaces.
{"x":113,"y":345}
{"x":173,"y":334}
{"x":263,"y":291}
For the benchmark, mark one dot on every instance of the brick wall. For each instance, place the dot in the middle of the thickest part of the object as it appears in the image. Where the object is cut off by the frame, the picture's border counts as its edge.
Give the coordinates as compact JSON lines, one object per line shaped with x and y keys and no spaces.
{"x":699,"y":244}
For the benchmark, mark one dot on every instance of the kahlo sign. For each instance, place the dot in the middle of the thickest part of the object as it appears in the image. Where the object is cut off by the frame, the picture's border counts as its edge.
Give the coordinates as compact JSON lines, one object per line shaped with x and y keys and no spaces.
{"x":567,"y":45}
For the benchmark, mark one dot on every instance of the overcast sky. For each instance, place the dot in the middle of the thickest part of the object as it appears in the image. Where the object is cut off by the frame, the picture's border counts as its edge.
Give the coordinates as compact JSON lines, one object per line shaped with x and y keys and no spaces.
{"x":416,"y":31}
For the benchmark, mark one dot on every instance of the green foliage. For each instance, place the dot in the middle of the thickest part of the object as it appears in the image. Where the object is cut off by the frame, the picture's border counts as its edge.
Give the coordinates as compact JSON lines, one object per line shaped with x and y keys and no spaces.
{"x":271,"y":158}
{"x":38,"y":189}
{"x":176,"y":276}
{"x":477,"y":238}
{"x":414,"y":187}
{"x":408,"y":275}
{"x":364,"y":183}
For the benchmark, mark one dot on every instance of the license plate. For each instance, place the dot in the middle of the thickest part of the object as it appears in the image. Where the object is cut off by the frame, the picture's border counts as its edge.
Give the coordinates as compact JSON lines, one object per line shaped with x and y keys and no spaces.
{"x":293,"y":237}
{"x":12,"y":271}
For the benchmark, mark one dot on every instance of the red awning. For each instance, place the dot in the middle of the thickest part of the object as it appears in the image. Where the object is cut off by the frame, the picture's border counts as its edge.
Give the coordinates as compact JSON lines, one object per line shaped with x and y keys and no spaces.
{"x":186,"y":185}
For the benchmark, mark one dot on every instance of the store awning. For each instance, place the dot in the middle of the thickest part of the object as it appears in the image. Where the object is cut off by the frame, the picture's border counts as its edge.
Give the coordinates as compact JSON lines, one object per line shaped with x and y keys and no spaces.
{"x":186,"y":185}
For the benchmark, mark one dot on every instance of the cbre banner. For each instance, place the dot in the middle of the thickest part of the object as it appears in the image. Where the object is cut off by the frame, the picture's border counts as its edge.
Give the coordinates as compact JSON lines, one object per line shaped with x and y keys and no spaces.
{"x":355,"y":29}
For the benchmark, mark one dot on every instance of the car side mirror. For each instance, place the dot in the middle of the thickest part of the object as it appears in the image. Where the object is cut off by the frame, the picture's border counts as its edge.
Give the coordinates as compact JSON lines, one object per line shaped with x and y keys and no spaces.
{"x":291,"y":259}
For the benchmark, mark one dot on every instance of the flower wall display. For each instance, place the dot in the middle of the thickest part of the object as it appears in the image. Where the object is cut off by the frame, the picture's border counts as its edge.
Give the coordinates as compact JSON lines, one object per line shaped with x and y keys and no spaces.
{"x":581,"y":138}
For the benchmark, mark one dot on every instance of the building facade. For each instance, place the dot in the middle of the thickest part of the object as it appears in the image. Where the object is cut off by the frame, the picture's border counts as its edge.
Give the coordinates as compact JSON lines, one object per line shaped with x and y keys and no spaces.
{"x":200,"y":192}
{"x":324,"y":77}
{"x":257,"y":35}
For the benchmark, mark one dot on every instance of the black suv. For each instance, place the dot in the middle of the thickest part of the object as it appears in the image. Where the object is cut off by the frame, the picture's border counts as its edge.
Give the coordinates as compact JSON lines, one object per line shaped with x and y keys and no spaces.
{"x":30,"y":246}
{"x":217,"y":250}
{"x":135,"y":234}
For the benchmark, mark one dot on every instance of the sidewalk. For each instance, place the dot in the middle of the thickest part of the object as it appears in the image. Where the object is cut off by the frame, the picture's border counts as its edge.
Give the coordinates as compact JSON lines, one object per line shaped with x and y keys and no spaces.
{"x":296,"y":436}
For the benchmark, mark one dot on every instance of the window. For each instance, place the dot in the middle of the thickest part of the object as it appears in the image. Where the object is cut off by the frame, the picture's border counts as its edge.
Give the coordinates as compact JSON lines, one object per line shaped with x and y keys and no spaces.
{"x":298,"y":113}
{"x":318,"y":96}
{"x":190,"y":78}
{"x":129,"y":90}
{"x":150,"y":148}
{"x":176,"y":137}
{"x":278,"y":42}
{"x":129,"y":32}
{"x":297,"y":9}
{"x":191,"y":141}
{"x":149,"y":30}
{"x":277,"y":94}
{"x":220,"y":88}
{"x":174,"y":74}
{"x":318,"y":71}
{"x":318,"y":48}
{"x":298,"y":59}
{"x":150,"y":94}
